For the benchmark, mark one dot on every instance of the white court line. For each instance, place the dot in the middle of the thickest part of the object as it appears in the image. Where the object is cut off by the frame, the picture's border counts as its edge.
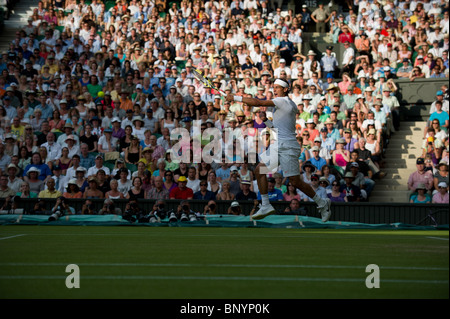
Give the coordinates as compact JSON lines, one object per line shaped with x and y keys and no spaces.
{"x":7,"y":277}
{"x":12,"y":236}
{"x":219,"y":266}
{"x":439,"y":238}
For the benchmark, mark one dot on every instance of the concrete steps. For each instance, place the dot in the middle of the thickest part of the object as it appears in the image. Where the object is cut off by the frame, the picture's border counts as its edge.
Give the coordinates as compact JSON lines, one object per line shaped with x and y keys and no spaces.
{"x":17,"y":19}
{"x":400,"y":161}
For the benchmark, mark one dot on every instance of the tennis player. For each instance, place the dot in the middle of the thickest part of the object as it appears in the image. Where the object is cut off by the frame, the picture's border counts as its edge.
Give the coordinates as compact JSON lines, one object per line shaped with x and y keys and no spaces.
{"x":284,"y":117}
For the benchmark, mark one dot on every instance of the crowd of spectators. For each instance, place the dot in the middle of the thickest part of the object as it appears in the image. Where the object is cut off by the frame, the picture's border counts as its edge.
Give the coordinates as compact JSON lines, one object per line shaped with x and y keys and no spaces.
{"x":91,"y":90}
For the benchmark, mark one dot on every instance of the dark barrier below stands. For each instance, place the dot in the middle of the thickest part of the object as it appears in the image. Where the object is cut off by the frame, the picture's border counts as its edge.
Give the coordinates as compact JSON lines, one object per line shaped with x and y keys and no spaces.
{"x":416,"y":97}
{"x":367,"y":213}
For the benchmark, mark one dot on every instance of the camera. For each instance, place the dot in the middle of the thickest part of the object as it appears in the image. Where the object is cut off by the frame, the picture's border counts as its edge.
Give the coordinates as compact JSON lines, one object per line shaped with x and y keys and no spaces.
{"x":56,"y":215}
{"x":128,"y":215}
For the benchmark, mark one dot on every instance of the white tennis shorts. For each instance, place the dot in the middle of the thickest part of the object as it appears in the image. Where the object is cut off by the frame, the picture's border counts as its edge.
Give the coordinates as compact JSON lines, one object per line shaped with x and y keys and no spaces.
{"x":284,"y":154}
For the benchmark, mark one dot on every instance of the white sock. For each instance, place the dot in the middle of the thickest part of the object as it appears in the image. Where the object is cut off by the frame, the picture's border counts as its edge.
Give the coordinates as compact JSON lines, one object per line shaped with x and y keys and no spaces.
{"x":265,"y":199}
{"x":319,"y":200}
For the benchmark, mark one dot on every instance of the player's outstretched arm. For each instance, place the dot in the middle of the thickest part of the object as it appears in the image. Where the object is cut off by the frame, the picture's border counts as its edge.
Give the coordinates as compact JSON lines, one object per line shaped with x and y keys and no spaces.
{"x":250,"y":101}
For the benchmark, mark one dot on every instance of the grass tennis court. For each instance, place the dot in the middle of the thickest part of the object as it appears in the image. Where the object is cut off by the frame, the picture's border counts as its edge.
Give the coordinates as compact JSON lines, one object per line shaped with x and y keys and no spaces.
{"x":227,"y":263}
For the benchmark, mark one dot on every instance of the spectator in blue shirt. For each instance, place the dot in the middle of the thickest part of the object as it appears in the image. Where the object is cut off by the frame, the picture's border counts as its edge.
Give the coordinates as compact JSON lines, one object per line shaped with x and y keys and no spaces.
{"x":328,"y":142}
{"x":316,"y":160}
{"x":320,"y":191}
{"x":274,"y":194}
{"x":441,"y":116}
{"x":224,"y":172}
{"x":47,"y":110}
{"x":204,"y":193}
{"x":36,"y":161}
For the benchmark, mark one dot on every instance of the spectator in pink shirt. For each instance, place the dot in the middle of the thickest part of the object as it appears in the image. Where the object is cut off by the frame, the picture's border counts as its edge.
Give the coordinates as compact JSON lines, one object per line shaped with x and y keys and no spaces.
{"x":441,"y":197}
{"x":420,"y":176}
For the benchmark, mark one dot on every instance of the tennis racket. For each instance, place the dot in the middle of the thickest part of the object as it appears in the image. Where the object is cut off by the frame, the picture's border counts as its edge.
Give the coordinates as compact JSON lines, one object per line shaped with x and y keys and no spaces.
{"x":206,"y":82}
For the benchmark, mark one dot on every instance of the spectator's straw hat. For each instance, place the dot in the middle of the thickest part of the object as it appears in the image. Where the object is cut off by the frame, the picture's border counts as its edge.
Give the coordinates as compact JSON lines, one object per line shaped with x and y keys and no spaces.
{"x":311,"y":52}
{"x":138,"y":118}
{"x":71,"y":137}
{"x":80,"y":169}
{"x":421,"y":186}
{"x":10,"y":137}
{"x":12,"y":166}
{"x":442,"y":162}
{"x":332,"y":87}
{"x":349,"y":175}
{"x":329,"y":121}
{"x":33,"y":169}
{"x":93,"y":179}
{"x":340,"y":141}
{"x":324,"y":179}
{"x":73,"y":182}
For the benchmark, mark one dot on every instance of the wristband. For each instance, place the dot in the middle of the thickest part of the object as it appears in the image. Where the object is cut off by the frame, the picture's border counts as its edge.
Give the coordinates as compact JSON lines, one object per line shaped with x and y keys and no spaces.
{"x":237,"y":98}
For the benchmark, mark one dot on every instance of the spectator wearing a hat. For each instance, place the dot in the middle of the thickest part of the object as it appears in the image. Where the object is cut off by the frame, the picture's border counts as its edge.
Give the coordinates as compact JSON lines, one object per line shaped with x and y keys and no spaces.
{"x":441,"y":196}
{"x":92,"y":190}
{"x":181,"y":191}
{"x":439,"y":98}
{"x":43,"y":168}
{"x":246,"y":193}
{"x":72,"y":190}
{"x":315,"y":158}
{"x":320,"y":190}
{"x":283,"y":67}
{"x":441,"y":174}
{"x":351,"y":191}
{"x":14,"y":182}
{"x":68,"y":130}
{"x":341,"y":156}
{"x":420,"y":195}
{"x":327,"y":141}
{"x":92,"y":171}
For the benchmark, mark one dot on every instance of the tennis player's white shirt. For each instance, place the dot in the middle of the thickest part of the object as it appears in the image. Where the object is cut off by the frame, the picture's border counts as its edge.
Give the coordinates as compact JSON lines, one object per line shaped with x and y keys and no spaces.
{"x":284,"y":118}
{"x":288,"y":151}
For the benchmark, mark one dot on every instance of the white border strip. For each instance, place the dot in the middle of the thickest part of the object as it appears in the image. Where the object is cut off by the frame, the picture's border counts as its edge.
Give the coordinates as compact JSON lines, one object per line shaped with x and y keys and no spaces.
{"x":360,"y":280}
{"x":17,"y":264}
{"x":12,"y":236}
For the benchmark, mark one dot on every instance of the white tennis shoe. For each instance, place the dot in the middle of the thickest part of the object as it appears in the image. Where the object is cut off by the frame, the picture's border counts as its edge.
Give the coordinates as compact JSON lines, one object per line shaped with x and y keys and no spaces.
{"x":263,"y":212}
{"x":325,"y":210}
